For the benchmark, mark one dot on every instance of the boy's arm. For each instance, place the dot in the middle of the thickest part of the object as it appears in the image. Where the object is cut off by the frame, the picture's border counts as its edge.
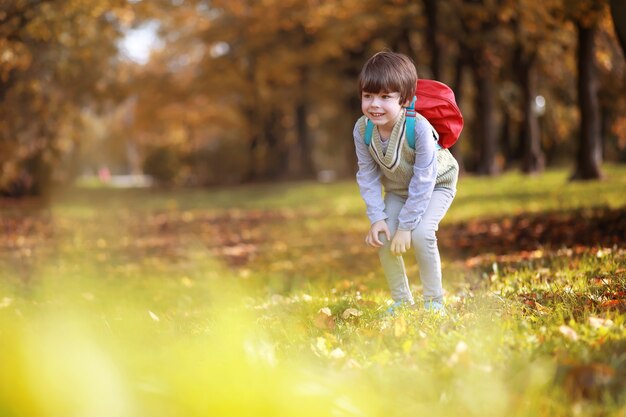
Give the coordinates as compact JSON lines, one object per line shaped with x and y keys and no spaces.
{"x":424,"y":177}
{"x":368,"y":179}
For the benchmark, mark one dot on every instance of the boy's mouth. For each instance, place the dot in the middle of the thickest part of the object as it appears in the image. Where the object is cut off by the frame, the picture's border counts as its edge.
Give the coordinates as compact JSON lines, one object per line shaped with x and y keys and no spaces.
{"x":377,"y":114}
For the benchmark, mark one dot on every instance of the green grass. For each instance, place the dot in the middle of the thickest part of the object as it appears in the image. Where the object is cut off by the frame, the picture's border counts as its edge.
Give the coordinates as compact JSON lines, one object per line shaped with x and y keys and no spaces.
{"x":233,"y":302}
{"x":476,"y":197}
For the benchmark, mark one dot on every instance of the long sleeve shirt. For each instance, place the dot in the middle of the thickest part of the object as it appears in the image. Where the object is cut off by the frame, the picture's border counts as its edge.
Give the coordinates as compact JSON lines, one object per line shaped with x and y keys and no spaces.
{"x":420,"y":187}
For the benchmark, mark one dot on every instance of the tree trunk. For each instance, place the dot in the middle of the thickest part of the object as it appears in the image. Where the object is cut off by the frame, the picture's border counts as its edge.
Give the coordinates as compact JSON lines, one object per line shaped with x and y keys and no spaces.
{"x":432,"y":37}
{"x":487,"y":164}
{"x":6,"y":85}
{"x":275,"y":161}
{"x":402,"y":42}
{"x":304,"y":150}
{"x":618,"y":13}
{"x":589,"y":156}
{"x":506,"y":141}
{"x":251,"y":105}
{"x":533,"y":160}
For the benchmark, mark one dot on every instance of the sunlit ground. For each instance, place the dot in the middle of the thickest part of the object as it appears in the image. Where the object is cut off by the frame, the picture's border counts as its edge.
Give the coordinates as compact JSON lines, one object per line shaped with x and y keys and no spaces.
{"x":262,"y":301}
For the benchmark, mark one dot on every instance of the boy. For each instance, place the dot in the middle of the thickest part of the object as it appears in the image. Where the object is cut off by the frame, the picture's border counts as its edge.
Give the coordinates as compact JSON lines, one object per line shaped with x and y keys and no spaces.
{"x":419,"y":183}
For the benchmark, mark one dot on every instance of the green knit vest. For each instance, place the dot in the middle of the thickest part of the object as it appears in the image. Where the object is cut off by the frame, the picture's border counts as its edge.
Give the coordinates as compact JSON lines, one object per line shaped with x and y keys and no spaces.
{"x":396,"y":164}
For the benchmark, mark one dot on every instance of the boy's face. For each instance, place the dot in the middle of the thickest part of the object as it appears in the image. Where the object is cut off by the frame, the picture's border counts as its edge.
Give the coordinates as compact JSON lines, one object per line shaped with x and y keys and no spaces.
{"x":381,"y":108}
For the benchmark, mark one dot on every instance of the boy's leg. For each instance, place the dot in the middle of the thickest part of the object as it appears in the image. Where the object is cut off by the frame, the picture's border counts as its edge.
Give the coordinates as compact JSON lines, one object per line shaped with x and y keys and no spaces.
{"x":393,"y":266}
{"x":424,"y":241}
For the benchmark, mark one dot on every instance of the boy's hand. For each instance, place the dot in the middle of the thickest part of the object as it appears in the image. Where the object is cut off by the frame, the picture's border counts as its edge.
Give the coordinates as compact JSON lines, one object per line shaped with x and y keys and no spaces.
{"x":401,"y":242}
{"x":372,"y":238}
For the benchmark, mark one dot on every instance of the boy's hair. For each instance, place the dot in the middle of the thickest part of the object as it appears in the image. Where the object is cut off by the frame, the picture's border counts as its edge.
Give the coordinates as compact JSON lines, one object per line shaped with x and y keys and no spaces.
{"x":387,"y":72}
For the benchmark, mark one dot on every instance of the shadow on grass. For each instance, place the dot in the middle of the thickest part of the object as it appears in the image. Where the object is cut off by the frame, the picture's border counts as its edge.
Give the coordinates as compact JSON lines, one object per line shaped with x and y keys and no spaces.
{"x":597,"y":227}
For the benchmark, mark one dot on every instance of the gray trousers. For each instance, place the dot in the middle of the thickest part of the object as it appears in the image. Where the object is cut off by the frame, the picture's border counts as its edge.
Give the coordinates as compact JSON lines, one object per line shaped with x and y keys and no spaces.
{"x":424,"y":243}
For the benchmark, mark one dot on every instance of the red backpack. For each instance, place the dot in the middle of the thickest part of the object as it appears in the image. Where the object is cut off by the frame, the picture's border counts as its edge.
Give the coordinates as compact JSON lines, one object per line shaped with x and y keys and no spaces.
{"x":435,"y":101}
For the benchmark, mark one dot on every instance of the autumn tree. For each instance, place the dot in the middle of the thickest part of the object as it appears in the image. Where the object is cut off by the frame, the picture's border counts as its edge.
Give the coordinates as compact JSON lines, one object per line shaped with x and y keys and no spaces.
{"x":56,"y":59}
{"x":483,"y":35}
{"x":586,"y":16}
{"x":533,"y":27}
{"x":248,"y":90}
{"x":618,"y":14}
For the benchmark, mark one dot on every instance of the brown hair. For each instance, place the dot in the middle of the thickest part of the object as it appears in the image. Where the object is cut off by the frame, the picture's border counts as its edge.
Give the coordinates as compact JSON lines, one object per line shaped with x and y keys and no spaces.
{"x":387,"y":72}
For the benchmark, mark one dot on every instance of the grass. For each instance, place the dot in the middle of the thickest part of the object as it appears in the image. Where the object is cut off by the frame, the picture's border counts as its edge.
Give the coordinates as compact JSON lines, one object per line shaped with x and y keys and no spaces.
{"x":262,"y":301}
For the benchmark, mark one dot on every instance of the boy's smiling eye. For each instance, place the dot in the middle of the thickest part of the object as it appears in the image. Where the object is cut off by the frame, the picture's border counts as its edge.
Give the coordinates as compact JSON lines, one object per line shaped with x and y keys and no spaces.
{"x":384,"y":96}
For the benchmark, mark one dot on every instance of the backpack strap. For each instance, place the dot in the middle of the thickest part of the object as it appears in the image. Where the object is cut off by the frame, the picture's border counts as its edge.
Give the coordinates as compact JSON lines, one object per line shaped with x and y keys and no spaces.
{"x":410,"y":124}
{"x":369,"y":131}
{"x":409,"y":130}
{"x":409,"y":127}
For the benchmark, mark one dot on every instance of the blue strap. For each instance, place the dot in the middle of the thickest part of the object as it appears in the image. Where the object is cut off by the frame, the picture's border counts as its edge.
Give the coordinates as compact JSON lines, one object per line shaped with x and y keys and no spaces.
{"x":409,"y":127}
{"x":410,"y":124}
{"x":369,"y":130}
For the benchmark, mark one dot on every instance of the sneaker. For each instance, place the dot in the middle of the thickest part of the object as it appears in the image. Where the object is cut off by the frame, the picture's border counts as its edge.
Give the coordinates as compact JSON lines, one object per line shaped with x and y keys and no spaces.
{"x":397,"y":306}
{"x":434,"y":306}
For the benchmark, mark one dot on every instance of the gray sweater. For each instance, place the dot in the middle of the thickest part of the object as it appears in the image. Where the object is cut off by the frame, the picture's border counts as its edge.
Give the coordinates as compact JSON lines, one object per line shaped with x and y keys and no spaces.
{"x":423,"y":180}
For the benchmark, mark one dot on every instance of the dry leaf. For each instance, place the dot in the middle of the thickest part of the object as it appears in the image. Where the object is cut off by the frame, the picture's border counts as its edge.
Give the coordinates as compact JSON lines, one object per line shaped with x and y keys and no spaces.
{"x":540,"y":308}
{"x":351,"y":312}
{"x":568,"y":332}
{"x":324,"y":319}
{"x":614,"y":304}
{"x":337,"y":353}
{"x":153,"y":316}
{"x":597,"y":322}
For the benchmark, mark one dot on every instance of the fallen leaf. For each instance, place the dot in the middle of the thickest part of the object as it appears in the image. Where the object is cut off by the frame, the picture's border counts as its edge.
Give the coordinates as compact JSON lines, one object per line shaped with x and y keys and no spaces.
{"x":321,"y":345}
{"x":351,"y":312}
{"x":324,"y":319}
{"x":568,"y":332}
{"x":337,"y":353}
{"x":597,"y":322}
{"x":534,"y":304}
{"x":153,"y":316}
{"x":614,"y":304}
